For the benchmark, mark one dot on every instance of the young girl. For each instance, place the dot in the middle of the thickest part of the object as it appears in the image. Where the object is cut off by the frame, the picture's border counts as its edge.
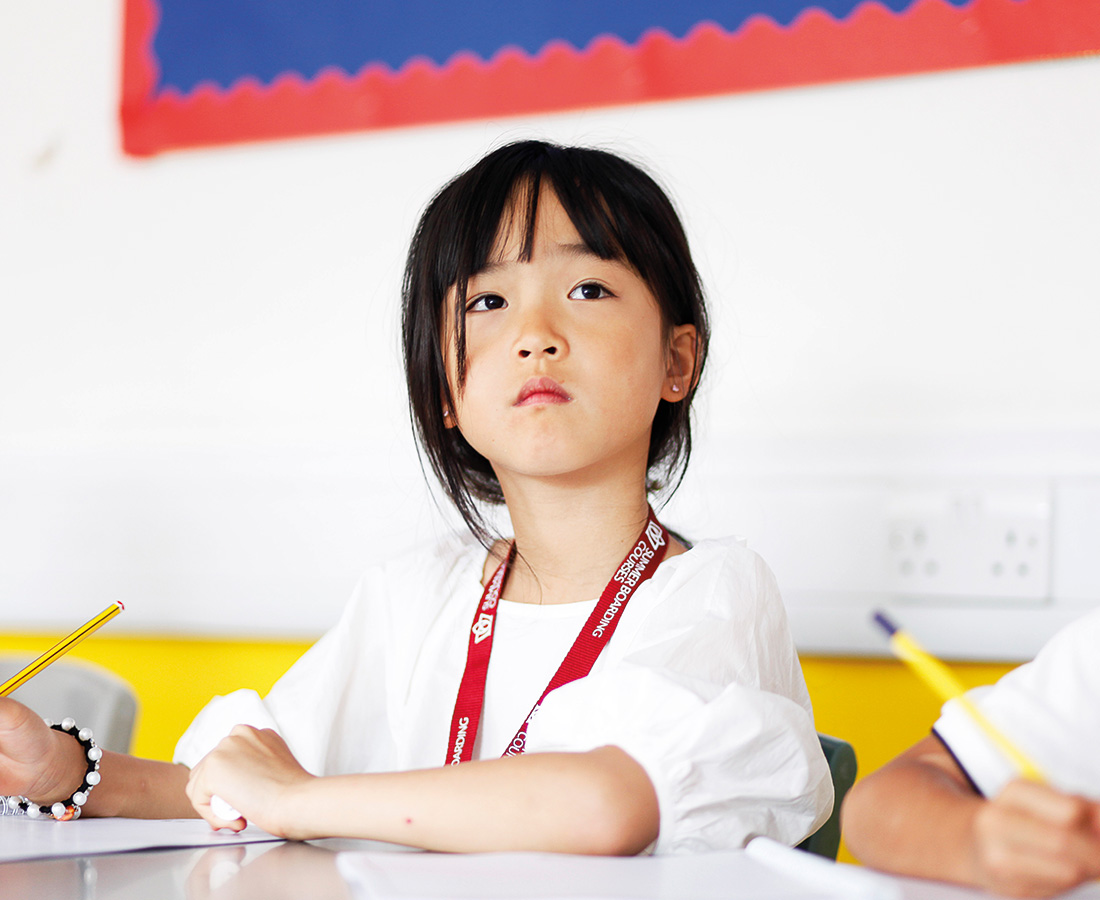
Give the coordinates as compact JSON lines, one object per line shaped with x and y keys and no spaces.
{"x":591,"y":685}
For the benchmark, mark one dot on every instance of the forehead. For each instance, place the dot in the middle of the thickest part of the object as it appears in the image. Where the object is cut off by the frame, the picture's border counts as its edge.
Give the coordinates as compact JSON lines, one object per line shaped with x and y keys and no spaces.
{"x":521,"y":236}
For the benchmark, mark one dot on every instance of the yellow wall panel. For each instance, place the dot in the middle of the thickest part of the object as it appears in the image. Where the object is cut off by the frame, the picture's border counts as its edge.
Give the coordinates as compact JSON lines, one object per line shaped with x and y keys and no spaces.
{"x":875,"y":704}
{"x":878,"y":705}
{"x":174,"y":677}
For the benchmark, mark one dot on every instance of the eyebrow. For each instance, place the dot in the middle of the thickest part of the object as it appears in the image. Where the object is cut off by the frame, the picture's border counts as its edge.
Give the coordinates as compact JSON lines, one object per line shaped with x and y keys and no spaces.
{"x":578,"y":249}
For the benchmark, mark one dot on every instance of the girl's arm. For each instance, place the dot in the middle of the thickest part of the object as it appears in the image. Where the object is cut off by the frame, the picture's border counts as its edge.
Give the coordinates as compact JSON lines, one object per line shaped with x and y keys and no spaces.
{"x":918,"y":815}
{"x":599,"y":802}
{"x":47,"y":765}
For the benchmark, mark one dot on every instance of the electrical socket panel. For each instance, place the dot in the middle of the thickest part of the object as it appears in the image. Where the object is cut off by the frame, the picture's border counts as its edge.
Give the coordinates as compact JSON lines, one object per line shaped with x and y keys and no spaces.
{"x":988,"y":544}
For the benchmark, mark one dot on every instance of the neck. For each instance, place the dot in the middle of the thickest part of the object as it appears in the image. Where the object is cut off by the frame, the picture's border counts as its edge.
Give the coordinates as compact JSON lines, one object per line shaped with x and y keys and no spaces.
{"x":570,"y":541}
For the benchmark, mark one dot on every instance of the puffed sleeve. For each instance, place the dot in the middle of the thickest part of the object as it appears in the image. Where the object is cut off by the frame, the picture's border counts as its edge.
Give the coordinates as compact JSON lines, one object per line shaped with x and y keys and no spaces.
{"x":704,"y":690}
{"x":1038,"y":706}
{"x":314,"y":706}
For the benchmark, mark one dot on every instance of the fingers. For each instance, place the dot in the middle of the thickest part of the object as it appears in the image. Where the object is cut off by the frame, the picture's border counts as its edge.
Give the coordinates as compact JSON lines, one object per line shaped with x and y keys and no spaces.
{"x":1034,"y":841}
{"x":216,"y":816}
{"x":36,"y":761}
{"x":201,"y":791}
{"x":15,"y":717}
{"x":1044,"y":802}
{"x":10,"y":713}
{"x":240,"y":772}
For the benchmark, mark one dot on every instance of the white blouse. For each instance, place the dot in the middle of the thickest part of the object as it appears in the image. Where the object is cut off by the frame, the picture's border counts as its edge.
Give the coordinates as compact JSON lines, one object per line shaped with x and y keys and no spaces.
{"x":700,"y":684}
{"x":1049,"y":708}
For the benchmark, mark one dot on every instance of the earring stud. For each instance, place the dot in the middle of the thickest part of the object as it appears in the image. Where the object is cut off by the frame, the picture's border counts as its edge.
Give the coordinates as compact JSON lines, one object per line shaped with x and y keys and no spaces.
{"x":676,"y":389}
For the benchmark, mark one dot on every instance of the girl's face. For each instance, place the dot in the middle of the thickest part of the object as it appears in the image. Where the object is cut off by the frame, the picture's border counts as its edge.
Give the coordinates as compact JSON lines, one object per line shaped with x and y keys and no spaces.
{"x":567,"y":357}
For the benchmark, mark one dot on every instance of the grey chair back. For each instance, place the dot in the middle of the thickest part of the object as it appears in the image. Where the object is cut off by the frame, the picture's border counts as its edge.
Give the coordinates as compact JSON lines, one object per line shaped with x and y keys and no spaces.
{"x":94,"y":696}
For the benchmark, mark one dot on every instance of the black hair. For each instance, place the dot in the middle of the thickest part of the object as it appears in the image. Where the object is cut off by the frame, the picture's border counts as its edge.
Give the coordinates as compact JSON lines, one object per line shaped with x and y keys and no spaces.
{"x":620,"y":213}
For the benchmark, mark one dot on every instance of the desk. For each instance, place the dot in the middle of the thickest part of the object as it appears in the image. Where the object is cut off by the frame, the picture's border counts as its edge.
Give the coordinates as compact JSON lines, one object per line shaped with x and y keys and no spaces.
{"x":289,"y":871}
{"x":242,"y":872}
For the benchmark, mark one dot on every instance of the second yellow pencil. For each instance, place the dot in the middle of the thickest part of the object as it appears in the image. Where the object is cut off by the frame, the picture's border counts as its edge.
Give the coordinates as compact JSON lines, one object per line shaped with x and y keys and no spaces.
{"x":943,"y":682}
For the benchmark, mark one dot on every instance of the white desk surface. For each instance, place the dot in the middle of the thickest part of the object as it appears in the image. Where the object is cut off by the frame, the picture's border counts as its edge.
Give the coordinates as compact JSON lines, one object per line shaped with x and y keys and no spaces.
{"x":283,"y":871}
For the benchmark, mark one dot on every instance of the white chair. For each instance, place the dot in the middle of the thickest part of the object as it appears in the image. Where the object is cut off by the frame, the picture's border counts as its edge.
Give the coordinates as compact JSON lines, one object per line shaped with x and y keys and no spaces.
{"x":91,"y":694}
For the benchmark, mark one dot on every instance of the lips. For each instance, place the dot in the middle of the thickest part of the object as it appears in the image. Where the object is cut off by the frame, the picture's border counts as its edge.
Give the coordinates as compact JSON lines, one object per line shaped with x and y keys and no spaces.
{"x":538,"y":391}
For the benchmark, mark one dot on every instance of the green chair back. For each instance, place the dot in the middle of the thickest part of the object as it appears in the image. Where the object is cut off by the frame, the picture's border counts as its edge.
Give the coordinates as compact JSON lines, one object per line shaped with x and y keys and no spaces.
{"x":841,"y":757}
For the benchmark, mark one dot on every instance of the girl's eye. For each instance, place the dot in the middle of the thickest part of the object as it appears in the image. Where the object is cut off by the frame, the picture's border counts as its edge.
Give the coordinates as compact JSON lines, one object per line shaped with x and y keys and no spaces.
{"x":590,"y":290}
{"x":486,"y":302}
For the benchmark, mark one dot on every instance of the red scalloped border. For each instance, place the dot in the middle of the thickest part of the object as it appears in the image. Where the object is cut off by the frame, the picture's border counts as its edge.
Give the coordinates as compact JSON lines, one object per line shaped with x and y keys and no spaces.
{"x":872,"y":41}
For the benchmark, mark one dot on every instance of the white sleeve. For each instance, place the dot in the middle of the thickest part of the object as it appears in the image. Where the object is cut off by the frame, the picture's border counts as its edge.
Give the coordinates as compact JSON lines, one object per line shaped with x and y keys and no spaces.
{"x":310,"y":704}
{"x":216,"y":719}
{"x":1048,"y":708}
{"x":714,"y":710}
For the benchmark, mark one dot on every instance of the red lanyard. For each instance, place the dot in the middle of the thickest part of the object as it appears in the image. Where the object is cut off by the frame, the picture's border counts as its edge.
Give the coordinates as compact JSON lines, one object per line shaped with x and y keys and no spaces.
{"x":640,"y":563}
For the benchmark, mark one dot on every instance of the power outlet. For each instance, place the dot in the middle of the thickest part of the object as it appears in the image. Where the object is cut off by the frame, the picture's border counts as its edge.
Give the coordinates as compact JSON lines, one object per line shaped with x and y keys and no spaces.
{"x":977,"y":544}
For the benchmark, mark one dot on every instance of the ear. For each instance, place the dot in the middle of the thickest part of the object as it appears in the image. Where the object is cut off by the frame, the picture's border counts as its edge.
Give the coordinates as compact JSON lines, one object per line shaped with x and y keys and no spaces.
{"x":680,"y":376}
{"x":448,"y":418}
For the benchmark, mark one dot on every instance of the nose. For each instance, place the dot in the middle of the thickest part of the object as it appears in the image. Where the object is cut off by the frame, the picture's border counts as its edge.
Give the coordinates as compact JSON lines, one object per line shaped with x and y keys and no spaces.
{"x":549,"y":350}
{"x":540,"y":333}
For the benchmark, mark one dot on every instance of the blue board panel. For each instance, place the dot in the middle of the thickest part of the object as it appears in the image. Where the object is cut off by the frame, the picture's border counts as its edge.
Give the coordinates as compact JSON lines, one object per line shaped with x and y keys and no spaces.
{"x":222,"y":41}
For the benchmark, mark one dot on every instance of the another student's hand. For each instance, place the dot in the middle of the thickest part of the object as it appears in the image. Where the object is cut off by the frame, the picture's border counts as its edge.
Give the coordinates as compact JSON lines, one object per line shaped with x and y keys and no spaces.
{"x":254,"y":771}
{"x":1034,"y":841}
{"x":35,"y":760}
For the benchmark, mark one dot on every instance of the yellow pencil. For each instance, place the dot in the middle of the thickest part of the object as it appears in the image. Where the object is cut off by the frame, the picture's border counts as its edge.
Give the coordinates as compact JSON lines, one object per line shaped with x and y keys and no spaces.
{"x":943,"y":681}
{"x":60,"y":649}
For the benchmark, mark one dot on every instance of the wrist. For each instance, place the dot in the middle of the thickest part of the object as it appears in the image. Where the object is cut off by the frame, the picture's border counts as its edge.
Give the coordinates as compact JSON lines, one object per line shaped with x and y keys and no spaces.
{"x":40,"y":800}
{"x":298,"y":804}
{"x":982,"y":862}
{"x":66,"y":772}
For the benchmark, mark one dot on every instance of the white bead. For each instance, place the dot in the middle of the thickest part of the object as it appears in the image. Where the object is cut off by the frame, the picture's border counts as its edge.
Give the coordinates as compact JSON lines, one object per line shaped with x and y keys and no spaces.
{"x":80,"y":798}
{"x":94,"y":754}
{"x":32,"y":811}
{"x":68,"y":723}
{"x":85,"y":734}
{"x":58,"y":810}
{"x":92,"y":778}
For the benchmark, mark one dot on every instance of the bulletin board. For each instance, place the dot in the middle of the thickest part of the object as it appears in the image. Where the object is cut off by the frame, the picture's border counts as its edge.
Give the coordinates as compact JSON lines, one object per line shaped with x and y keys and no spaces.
{"x":197,"y":73}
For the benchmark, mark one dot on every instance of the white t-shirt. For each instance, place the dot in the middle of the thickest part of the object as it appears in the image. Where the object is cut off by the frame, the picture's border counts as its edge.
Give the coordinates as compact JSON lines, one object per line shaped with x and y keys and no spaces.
{"x":1049,"y":708}
{"x":700,"y":684}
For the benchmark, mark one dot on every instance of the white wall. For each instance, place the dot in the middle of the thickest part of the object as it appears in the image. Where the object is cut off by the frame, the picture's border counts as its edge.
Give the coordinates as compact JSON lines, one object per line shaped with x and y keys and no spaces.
{"x":201,"y":406}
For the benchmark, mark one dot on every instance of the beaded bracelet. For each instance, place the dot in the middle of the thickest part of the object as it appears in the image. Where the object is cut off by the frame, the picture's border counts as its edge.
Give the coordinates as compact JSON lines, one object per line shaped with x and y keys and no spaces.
{"x":63,"y":810}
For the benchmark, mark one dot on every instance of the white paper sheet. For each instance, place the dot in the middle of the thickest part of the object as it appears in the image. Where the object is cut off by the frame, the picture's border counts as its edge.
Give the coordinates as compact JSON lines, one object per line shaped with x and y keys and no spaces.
{"x":22,"y":838}
{"x":817,"y":872}
{"x":550,"y":876}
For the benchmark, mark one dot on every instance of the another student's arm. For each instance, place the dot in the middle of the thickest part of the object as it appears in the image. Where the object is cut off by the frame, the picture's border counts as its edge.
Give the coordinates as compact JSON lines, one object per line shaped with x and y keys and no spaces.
{"x":918,"y":815}
{"x":47,"y":765}
{"x":599,"y":802}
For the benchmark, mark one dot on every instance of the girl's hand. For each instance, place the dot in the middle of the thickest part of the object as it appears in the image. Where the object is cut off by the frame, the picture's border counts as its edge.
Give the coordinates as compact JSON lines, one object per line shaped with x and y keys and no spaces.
{"x":35,"y":760}
{"x":254,"y":771}
{"x":1034,"y":841}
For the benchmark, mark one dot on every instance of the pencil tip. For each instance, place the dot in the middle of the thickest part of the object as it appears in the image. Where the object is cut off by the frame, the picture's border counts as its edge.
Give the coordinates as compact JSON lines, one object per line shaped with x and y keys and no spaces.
{"x":885,"y":623}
